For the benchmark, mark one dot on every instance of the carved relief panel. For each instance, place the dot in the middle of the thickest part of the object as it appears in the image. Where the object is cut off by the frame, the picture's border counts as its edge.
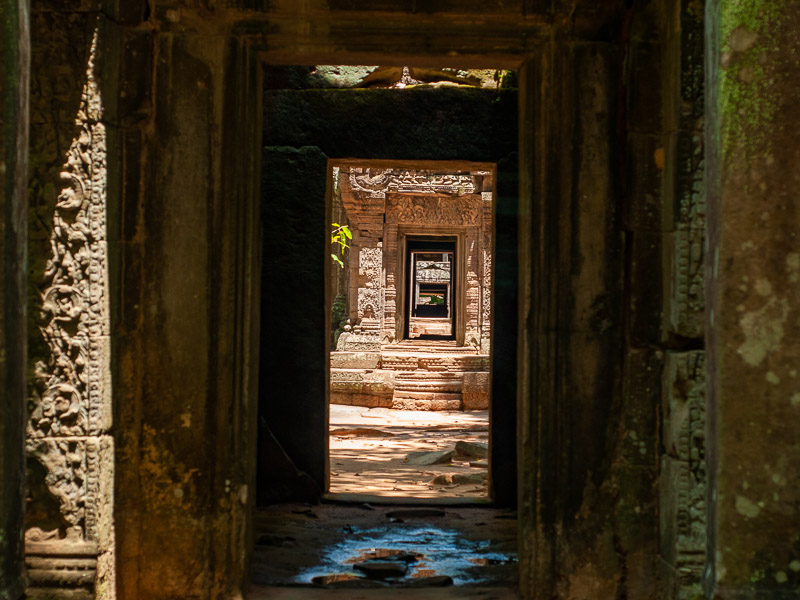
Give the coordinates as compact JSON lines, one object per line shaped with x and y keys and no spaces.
{"x":683,"y":488}
{"x":69,"y":407}
{"x":436,"y":210}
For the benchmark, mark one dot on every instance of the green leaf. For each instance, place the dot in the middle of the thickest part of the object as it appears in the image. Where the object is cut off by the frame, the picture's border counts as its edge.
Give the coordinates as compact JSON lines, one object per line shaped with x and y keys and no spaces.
{"x":338,"y":260}
{"x":346,"y":230}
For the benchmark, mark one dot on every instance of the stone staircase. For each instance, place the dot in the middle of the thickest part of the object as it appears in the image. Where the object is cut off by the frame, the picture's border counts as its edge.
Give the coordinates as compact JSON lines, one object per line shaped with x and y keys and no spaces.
{"x":412,"y":376}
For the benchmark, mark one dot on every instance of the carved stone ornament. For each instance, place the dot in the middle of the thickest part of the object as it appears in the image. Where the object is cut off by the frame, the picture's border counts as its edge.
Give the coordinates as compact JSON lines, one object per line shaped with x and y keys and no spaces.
{"x":689,"y":285}
{"x":378,"y":182}
{"x":421,"y":210}
{"x":683,"y":488}
{"x":66,"y":408}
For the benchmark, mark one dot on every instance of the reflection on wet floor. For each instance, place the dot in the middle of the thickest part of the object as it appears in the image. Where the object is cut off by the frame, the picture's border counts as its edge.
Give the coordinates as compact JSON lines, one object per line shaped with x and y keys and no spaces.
{"x":369,"y":546}
{"x":392,"y":554}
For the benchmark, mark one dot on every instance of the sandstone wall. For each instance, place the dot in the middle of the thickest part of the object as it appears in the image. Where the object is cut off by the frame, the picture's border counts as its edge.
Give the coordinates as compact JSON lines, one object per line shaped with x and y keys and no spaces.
{"x":14,"y":82}
{"x":753,"y":308}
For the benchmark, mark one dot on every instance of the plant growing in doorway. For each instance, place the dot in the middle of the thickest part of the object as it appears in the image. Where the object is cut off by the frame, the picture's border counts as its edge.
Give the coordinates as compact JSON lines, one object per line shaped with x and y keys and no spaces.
{"x":340,"y":234}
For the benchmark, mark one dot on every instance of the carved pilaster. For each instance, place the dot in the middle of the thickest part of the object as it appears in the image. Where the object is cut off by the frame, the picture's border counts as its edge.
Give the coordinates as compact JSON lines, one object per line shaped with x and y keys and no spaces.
{"x":370,"y":296}
{"x":683,"y":473}
{"x":70,"y":413}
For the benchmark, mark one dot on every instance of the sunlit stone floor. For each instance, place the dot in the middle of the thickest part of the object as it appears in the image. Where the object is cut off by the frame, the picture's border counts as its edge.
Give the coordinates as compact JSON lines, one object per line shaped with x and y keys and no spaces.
{"x":369,"y":446}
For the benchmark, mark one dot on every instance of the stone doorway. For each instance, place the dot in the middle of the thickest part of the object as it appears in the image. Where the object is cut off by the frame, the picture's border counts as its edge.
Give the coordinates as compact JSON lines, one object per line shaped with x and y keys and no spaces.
{"x":302,"y":130}
{"x":430,"y":305}
{"x":410,"y":304}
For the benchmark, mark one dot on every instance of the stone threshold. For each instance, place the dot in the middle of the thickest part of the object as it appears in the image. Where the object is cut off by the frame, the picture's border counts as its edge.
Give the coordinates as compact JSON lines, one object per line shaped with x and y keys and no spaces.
{"x":353,"y":498}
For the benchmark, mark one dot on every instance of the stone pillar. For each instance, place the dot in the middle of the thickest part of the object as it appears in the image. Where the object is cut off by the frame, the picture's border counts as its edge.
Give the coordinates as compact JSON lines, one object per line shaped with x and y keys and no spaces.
{"x":14,"y":73}
{"x":753,"y":299}
{"x":370,"y":296}
{"x":186,"y":261}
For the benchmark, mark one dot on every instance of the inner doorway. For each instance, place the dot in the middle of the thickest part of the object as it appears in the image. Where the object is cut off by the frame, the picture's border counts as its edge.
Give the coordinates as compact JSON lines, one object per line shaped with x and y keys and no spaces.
{"x":410,"y":304}
{"x":430,"y":266}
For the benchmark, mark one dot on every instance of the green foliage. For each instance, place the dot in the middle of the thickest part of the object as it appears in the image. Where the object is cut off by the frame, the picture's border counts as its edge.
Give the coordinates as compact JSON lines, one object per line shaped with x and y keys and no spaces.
{"x":339,"y":235}
{"x":506,"y":79}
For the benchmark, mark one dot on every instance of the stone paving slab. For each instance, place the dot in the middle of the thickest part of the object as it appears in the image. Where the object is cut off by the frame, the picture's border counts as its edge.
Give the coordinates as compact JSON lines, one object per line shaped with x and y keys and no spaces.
{"x":378,"y":464}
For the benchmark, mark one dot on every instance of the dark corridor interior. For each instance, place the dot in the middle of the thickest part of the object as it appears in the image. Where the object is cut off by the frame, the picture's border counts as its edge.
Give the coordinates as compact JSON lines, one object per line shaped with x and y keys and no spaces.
{"x":303,"y":129}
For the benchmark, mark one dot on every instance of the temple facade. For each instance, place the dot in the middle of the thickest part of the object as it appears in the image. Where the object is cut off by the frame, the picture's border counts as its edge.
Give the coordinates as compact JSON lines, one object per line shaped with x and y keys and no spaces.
{"x":413,"y":301}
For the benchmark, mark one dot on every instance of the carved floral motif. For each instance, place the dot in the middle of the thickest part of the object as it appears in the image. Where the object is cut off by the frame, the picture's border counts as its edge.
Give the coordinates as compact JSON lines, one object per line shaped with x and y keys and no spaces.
{"x":66,"y":403}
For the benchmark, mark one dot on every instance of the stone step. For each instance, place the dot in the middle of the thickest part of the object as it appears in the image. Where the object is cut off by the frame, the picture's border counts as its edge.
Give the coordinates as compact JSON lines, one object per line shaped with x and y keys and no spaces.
{"x":429,"y":385}
{"x":410,"y":400}
{"x":428,"y":347}
{"x":435,"y":362}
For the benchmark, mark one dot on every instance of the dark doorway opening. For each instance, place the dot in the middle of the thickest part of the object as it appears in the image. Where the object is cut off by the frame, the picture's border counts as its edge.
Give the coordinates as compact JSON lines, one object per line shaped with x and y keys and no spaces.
{"x":303,"y":130}
{"x":430,"y":289}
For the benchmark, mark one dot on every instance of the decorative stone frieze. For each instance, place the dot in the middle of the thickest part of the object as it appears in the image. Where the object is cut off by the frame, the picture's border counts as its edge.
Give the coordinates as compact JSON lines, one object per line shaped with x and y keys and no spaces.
{"x":421,"y":210}
{"x":688,"y":286}
{"x":378,"y":182}
{"x":688,"y":283}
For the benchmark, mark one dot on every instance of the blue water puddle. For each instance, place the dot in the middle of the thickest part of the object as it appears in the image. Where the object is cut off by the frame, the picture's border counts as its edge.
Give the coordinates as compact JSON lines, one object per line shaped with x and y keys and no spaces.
{"x":437,"y":552}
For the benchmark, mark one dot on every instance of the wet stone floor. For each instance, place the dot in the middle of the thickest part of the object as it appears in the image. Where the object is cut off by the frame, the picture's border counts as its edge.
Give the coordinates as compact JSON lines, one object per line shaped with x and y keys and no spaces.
{"x":377,"y":547}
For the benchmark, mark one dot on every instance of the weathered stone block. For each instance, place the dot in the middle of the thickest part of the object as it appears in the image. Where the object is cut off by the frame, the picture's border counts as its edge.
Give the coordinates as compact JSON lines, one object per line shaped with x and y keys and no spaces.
{"x":360,"y":387}
{"x":472,"y":449}
{"x":686,"y":300}
{"x":682,"y":515}
{"x":399,"y":362}
{"x":357,"y":342}
{"x":646,"y":162}
{"x":475,"y":391}
{"x":430,"y":458}
{"x":351,"y":398}
{"x":355,"y":360}
{"x":644,"y":96}
{"x":683,"y":406}
{"x":640,"y":411}
{"x":405,"y":400}
{"x":683,"y":469}
{"x":646,"y":300}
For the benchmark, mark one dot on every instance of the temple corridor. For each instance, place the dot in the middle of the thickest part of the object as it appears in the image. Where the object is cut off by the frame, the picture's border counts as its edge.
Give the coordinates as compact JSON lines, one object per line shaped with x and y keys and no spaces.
{"x":580,"y":218}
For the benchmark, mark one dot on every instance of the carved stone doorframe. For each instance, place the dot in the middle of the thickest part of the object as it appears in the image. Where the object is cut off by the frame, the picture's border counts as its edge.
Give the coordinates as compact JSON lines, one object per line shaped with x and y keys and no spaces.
{"x":457,"y":233}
